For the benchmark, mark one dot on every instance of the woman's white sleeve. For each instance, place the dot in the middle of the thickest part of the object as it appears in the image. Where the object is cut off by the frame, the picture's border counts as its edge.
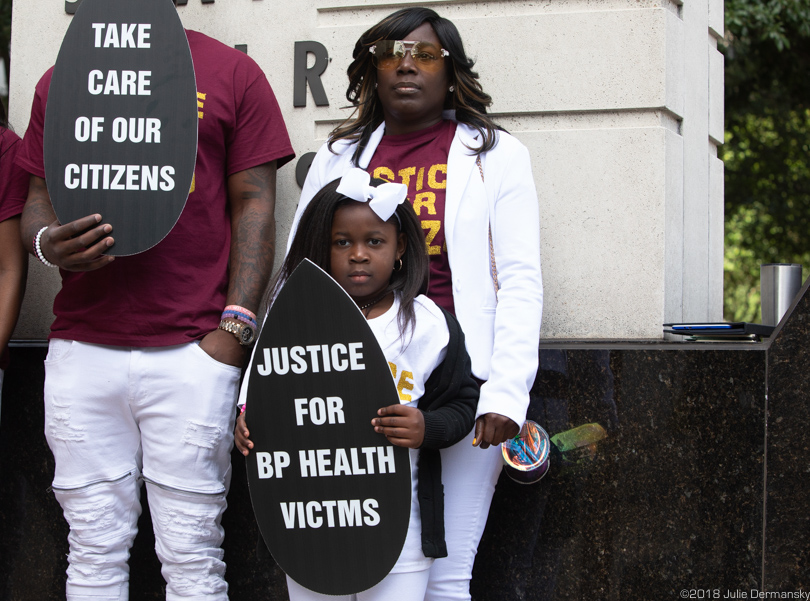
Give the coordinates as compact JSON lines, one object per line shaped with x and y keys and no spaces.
{"x":516,"y":239}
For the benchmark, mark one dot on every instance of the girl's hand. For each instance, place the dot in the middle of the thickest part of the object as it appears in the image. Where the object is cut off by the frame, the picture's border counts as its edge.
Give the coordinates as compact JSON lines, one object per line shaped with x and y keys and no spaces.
{"x":493,"y":429}
{"x":241,"y":435}
{"x":402,"y":425}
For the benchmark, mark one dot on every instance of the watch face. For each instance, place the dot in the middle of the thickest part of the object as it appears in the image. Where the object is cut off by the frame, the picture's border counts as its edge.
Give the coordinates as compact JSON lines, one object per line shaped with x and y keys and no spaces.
{"x":247,"y":334}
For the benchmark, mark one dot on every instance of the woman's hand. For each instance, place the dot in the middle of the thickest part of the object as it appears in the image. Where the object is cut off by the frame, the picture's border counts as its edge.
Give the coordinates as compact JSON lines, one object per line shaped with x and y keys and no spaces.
{"x":242,"y":435}
{"x":492,"y":429}
{"x":402,"y":425}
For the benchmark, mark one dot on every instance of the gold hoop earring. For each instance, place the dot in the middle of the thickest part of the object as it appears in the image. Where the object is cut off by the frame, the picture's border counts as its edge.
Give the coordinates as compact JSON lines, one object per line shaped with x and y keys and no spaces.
{"x":398,"y":267}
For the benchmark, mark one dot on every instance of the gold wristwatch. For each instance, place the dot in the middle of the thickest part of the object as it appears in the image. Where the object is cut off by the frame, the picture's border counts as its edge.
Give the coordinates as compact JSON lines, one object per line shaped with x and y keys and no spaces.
{"x":244,"y":333}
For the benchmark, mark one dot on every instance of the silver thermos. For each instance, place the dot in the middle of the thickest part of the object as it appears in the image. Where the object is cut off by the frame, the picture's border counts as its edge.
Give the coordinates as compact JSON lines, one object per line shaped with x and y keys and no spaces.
{"x":779,"y":284}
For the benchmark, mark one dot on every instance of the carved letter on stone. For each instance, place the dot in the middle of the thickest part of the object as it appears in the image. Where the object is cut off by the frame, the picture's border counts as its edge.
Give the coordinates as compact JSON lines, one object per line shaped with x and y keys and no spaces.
{"x":312,"y":76}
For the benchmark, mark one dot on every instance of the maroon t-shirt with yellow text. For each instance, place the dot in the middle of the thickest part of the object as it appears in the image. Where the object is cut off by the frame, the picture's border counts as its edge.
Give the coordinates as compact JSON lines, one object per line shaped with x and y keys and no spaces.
{"x":174,"y":292}
{"x":419,"y":160}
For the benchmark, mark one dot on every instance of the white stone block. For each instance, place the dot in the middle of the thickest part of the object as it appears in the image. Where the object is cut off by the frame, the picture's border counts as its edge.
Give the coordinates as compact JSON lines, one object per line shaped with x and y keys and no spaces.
{"x":717,"y":22}
{"x":675,"y":65}
{"x":609,"y":60}
{"x":602,"y":206}
{"x":716,"y":95}
{"x":716,"y":234}
{"x":673,"y":237}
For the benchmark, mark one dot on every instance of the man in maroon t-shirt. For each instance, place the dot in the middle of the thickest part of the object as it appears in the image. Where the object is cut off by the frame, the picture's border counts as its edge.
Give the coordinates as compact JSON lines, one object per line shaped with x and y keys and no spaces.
{"x":145,"y":351}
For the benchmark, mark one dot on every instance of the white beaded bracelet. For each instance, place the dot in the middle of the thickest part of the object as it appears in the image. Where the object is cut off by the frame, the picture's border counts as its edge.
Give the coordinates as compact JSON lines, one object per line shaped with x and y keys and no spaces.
{"x":38,"y":248}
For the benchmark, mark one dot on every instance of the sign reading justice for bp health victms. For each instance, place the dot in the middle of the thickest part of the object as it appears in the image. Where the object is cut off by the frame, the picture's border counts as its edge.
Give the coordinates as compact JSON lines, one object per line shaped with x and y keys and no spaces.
{"x":331,"y":496}
{"x":121,"y":121}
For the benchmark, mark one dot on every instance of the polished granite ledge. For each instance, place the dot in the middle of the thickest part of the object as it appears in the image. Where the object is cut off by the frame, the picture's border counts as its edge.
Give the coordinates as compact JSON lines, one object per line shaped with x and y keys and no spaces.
{"x":671,"y":498}
{"x":699,"y":482}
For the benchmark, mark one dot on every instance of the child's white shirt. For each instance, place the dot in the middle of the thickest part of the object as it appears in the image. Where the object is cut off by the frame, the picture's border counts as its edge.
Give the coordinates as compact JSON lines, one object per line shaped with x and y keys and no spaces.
{"x":412,"y":359}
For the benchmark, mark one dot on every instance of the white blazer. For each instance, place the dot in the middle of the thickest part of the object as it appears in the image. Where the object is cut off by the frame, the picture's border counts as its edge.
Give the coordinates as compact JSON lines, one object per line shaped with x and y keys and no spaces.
{"x":502,"y":335}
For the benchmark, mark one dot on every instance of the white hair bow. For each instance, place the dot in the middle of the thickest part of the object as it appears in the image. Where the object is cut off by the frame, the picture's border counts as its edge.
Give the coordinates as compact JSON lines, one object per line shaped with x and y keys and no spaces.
{"x":383,"y":199}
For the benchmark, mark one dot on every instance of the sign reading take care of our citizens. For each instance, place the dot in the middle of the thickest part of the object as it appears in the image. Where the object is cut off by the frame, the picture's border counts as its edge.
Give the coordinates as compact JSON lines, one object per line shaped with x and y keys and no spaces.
{"x":121,"y":122}
{"x":331,"y":496}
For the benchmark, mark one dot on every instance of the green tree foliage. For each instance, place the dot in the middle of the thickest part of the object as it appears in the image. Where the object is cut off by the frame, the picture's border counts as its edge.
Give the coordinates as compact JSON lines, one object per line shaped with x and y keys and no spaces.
{"x":767,"y":198}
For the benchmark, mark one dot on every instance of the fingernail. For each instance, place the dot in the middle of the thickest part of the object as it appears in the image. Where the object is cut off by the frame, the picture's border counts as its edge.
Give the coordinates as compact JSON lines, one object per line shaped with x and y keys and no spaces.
{"x":474,"y":441}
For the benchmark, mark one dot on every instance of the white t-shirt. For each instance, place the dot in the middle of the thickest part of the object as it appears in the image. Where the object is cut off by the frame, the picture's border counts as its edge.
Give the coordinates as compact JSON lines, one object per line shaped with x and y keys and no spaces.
{"x":412,"y":359}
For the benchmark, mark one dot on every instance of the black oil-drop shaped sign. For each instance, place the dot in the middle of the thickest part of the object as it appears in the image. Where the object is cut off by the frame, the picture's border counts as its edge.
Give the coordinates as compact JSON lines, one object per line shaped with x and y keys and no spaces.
{"x":331,"y":496}
{"x":121,"y":122}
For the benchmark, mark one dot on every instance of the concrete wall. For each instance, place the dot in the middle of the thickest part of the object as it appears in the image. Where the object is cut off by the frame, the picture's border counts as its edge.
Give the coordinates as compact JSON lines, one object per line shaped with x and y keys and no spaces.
{"x":619,"y":101}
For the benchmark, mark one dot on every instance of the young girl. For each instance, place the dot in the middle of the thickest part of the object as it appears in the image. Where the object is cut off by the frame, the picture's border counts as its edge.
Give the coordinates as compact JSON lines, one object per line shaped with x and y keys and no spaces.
{"x":372,"y":244}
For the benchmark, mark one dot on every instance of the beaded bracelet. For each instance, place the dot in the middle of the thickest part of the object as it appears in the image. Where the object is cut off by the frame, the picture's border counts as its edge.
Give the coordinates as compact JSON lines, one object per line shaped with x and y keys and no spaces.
{"x":240,"y":317}
{"x":240,"y":314}
{"x":239,"y":309}
{"x":38,"y":248}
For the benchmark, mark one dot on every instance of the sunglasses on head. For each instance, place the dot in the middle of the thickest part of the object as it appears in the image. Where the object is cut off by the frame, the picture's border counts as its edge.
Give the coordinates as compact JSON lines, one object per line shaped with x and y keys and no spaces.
{"x":388,"y":54}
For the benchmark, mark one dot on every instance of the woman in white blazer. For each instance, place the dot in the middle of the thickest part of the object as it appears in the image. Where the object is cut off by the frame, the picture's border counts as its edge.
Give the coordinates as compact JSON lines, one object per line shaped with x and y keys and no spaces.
{"x":417,"y":99}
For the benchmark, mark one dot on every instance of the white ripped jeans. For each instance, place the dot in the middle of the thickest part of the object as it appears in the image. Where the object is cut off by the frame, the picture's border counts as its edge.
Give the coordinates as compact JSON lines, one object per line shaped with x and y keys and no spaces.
{"x":114,"y":415}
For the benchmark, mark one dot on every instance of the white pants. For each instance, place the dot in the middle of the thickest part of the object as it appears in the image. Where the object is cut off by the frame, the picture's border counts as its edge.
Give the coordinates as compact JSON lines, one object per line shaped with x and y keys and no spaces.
{"x":403,"y":586}
{"x":114,"y":415}
{"x":469,"y":475}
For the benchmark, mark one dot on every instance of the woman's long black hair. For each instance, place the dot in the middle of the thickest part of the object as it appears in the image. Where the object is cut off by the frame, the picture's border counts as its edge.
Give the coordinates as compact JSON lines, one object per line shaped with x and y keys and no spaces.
{"x":313,"y":241}
{"x":468,"y":99}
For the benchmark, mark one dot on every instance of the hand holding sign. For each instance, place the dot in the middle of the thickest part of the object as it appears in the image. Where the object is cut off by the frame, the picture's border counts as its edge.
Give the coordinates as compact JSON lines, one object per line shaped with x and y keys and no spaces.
{"x":120,"y":128}
{"x":402,"y":425}
{"x":78,"y":245}
{"x":322,"y":481}
{"x":242,"y":435}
